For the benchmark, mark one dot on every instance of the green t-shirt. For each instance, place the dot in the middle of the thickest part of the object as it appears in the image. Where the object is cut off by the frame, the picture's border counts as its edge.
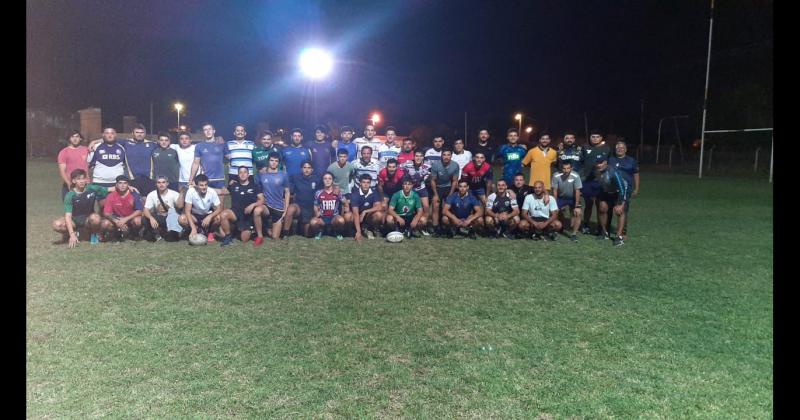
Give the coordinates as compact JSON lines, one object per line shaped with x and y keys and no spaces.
{"x":261,"y":156}
{"x":343,"y":177}
{"x":82,"y":204}
{"x":403,"y":205}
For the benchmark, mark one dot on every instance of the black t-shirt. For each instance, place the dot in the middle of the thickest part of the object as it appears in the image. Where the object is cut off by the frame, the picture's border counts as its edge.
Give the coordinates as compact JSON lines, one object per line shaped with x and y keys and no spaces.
{"x":521,"y":193}
{"x":488,"y":150}
{"x":304,"y":189}
{"x":243,"y":195}
{"x":502,"y":204}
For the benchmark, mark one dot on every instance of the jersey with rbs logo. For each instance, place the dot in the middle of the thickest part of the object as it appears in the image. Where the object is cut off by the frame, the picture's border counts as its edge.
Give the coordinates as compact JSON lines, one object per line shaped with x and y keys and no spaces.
{"x":108,"y":161}
{"x":512,"y":160}
{"x":328,"y":202}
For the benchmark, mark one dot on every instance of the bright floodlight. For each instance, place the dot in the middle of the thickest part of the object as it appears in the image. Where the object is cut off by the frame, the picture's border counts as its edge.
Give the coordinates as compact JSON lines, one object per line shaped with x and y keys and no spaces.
{"x":376,"y":118}
{"x":179,"y":107}
{"x":315,"y":63}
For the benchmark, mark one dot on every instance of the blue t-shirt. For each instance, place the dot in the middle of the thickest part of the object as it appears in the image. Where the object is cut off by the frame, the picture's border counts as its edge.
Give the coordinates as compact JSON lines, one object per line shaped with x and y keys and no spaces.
{"x":625,"y":166}
{"x":138,"y":157}
{"x":352,"y":150}
{"x":512,"y":160}
{"x":293,"y":158}
{"x":304,"y":188}
{"x":364,"y":202}
{"x":462,"y":206}
{"x":273,"y":184}
{"x":211,"y":155}
{"x":322,"y":155}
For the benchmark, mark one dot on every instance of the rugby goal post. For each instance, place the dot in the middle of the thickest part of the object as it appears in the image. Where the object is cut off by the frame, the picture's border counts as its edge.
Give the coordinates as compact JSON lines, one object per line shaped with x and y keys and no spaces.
{"x":703,"y":130}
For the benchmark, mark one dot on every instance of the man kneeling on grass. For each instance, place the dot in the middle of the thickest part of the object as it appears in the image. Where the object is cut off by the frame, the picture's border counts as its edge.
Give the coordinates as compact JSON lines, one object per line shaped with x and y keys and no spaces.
{"x":462,"y":211}
{"x":161,"y":209}
{"x":540,"y":218}
{"x":202,"y":211}
{"x":405,"y":210}
{"x":79,"y":209}
{"x":327,"y":203}
{"x":122,"y":212}
{"x":247,"y":211}
{"x":366,"y":204}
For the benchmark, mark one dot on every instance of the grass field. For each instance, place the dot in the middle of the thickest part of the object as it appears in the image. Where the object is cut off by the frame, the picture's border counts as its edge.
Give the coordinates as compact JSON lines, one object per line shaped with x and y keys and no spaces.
{"x":677,"y":323}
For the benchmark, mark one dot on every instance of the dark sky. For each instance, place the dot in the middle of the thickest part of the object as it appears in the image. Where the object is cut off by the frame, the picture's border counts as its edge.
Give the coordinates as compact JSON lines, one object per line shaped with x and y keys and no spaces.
{"x":416,"y":61}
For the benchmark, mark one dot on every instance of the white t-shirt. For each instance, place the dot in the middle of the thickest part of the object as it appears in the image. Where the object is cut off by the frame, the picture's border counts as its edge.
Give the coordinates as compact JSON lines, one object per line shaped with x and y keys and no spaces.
{"x":536,"y":207}
{"x":170,"y":198}
{"x":186,"y":158}
{"x":462,"y":160}
{"x":202,"y":205}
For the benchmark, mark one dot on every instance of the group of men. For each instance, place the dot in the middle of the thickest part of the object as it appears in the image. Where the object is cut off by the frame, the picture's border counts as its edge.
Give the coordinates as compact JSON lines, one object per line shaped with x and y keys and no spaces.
{"x":362,"y":187}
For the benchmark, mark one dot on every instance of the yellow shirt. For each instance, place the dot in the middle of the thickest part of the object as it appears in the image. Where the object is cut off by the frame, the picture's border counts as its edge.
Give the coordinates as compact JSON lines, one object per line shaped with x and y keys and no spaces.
{"x":541,"y":161}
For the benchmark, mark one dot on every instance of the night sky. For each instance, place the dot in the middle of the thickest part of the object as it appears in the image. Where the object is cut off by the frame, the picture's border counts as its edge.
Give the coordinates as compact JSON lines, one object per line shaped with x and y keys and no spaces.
{"x":419,"y":62}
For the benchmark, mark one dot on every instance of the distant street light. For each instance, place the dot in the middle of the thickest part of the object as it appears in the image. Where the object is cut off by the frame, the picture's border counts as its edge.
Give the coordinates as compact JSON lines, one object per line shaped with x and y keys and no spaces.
{"x":518,"y":117}
{"x":178,"y":109}
{"x":183,"y":128}
{"x":528,"y":129}
{"x":376,"y":118}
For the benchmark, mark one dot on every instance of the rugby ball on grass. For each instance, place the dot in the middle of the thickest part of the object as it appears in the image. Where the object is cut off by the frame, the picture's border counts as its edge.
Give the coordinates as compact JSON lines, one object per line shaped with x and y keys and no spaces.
{"x":198,"y":239}
{"x":394,"y":237}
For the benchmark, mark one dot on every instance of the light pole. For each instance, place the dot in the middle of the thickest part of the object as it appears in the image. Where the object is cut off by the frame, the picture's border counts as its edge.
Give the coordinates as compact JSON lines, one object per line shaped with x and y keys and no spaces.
{"x":518,"y":117}
{"x":178,"y":109}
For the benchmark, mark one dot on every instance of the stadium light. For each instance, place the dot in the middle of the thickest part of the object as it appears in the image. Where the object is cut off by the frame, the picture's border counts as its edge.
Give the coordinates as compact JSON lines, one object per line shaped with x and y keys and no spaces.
{"x":315,"y":63}
{"x":518,"y":117}
{"x":178,"y":109}
{"x":376,"y":118}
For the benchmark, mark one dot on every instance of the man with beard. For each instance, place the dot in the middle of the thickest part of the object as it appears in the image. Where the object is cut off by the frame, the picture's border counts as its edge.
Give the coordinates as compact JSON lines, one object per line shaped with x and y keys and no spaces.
{"x":107,"y":160}
{"x":511,"y":154}
{"x":541,"y":218}
{"x":479,"y":175}
{"x":443,"y":182}
{"x":262,"y":151}
{"x":304,"y":188}
{"x":567,"y":191}
{"x":420,"y":172}
{"x":238,"y":152}
{"x":322,"y":152}
{"x":596,"y":150}
{"x":483,"y":146}
{"x":463,"y":211}
{"x":209,"y":156}
{"x":295,"y":154}
{"x":390,"y":149}
{"x":502,"y":211}
{"x":390,"y":180}
{"x":541,"y":159}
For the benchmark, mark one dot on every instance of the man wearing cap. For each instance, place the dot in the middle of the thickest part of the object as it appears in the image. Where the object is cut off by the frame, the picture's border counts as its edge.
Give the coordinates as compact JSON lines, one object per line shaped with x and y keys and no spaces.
{"x":122,"y":211}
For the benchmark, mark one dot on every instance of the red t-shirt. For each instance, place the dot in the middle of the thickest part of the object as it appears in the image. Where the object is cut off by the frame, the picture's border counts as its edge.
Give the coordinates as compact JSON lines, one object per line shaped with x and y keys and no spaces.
{"x":122,"y":206}
{"x":404,"y":157}
{"x":74,"y":158}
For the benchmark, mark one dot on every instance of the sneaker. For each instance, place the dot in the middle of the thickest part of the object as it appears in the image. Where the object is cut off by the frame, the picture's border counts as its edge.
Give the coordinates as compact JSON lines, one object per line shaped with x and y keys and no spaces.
{"x":509,"y":235}
{"x":573,"y":237}
{"x":318,"y":236}
{"x":603,"y":236}
{"x":228,"y":240}
{"x":424,"y":232}
{"x":259,"y":240}
{"x":536,"y":237}
{"x":370,"y":235}
{"x":211,"y":237}
{"x":158,"y":237}
{"x":94,"y":240}
{"x":552,"y":236}
{"x":339,"y":237}
{"x":472,"y":235}
{"x":585,"y":230}
{"x":618,"y":241}
{"x":450,"y":233}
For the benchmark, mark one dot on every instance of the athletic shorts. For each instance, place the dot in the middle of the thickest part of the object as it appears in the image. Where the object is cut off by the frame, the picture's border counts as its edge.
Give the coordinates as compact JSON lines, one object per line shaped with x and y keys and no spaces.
{"x":244,"y":221}
{"x":144,"y":184}
{"x":565,"y":202}
{"x":306,"y":214}
{"x":162,"y":222}
{"x":540,"y":219}
{"x":79,"y":220}
{"x":217,"y":185}
{"x":275,"y":214}
{"x":423,"y":193}
{"x":327,"y":219}
{"x":443,"y":193}
{"x":478,"y":192}
{"x":611,"y":199}
{"x":591,"y":189}
{"x":198,"y":221}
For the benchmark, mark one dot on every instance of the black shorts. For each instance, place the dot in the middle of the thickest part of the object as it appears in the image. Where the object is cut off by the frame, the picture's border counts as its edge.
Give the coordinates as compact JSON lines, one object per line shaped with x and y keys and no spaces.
{"x":423,"y":193}
{"x":79,"y":220}
{"x":611,"y":199}
{"x":306,"y":214}
{"x":198,"y":221}
{"x":162,"y":222}
{"x":275,"y":214}
{"x":591,"y":189}
{"x":144,"y":184}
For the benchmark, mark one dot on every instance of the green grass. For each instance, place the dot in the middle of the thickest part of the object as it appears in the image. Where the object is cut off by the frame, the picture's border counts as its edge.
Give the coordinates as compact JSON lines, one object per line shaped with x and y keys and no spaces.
{"x":677,"y":323}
